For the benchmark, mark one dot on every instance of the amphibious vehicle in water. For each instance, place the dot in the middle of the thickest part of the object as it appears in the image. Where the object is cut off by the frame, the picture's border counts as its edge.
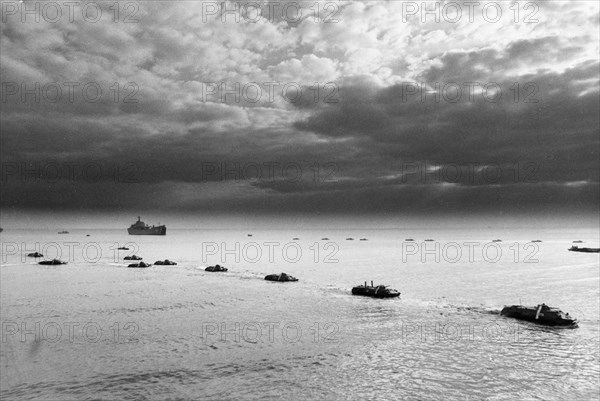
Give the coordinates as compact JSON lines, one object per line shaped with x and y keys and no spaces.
{"x":52,"y":262}
{"x":375,"y":291}
{"x":541,"y":314}
{"x":575,"y":248}
{"x":165,"y":262}
{"x":141,"y":264}
{"x":280,"y":277}
{"x":141,"y":228}
{"x":216,"y":268}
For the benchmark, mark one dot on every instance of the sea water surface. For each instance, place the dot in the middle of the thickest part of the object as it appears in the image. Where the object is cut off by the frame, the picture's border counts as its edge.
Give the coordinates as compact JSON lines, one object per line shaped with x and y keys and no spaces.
{"x":95,"y":329}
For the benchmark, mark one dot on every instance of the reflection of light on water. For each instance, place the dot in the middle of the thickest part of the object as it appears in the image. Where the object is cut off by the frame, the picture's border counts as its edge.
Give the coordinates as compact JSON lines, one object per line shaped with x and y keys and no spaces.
{"x":396,"y":348}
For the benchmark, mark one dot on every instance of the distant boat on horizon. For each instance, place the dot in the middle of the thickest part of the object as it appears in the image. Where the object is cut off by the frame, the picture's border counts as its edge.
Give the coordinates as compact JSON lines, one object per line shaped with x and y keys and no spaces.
{"x":575,"y":248}
{"x":141,"y":228}
{"x":63,"y":232}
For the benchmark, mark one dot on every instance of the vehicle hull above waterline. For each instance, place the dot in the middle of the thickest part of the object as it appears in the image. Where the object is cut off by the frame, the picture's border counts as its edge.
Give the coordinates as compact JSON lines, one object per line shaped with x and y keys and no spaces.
{"x":160,"y":230}
{"x":541,"y":314}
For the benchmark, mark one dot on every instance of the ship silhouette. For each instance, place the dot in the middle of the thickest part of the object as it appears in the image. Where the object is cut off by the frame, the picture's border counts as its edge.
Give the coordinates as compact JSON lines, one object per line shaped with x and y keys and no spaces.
{"x":141,"y":228}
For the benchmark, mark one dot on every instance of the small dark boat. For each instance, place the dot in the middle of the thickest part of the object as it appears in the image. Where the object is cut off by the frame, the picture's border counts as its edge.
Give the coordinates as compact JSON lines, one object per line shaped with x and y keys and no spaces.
{"x":578,"y":242}
{"x":541,"y":314}
{"x":52,"y":262}
{"x":216,"y":268}
{"x":280,"y":277}
{"x":537,"y":240}
{"x":349,"y":239}
{"x":132,"y":257}
{"x":87,"y":235}
{"x":575,"y":248}
{"x":165,"y":262}
{"x":325,"y":239}
{"x":141,"y":264}
{"x":295,"y":239}
{"x":364,"y":239}
{"x":429,"y":240}
{"x":123,"y":248}
{"x":249,"y":235}
{"x":375,"y":291}
{"x":63,"y":232}
{"x":409,"y":240}
{"x":35,"y":255}
{"x":497,"y":240}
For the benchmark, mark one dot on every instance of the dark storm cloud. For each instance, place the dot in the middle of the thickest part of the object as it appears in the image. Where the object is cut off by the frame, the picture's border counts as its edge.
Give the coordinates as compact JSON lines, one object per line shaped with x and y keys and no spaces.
{"x":365,"y":143}
{"x":559,"y":131}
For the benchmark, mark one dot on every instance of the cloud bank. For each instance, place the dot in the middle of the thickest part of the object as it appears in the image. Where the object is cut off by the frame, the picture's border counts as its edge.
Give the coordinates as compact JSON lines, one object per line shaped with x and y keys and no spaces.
{"x":357,"y":107}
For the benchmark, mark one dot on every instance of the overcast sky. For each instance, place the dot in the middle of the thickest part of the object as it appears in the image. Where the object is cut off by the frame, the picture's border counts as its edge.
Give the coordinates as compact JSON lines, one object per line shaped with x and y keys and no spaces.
{"x":474,"y":113}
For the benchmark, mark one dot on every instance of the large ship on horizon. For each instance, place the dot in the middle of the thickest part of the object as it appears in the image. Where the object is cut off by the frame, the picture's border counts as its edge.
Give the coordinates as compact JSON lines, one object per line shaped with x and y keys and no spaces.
{"x":141,"y":228}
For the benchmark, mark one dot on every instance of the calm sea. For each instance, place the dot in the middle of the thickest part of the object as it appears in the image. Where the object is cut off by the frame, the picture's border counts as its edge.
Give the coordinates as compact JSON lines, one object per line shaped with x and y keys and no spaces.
{"x":95,"y":329}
